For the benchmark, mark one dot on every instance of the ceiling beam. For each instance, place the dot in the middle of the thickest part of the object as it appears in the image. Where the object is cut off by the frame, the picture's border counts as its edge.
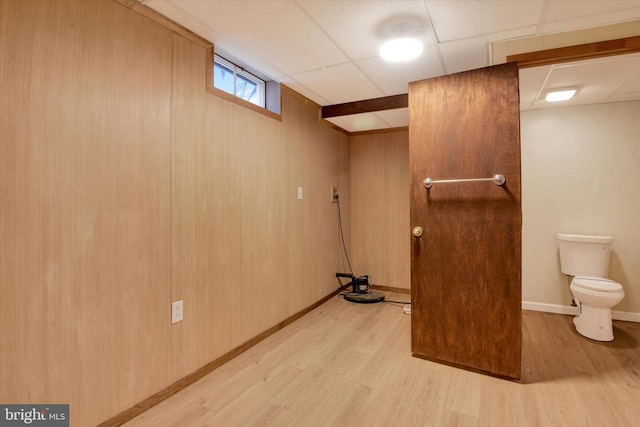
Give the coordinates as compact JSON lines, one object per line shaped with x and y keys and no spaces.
{"x":366,"y":106}
{"x":577,"y":52}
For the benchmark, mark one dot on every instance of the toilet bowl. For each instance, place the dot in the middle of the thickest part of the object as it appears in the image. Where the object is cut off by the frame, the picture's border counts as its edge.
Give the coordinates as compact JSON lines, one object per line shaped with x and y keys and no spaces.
{"x":586,"y":259}
{"x":595,"y":296}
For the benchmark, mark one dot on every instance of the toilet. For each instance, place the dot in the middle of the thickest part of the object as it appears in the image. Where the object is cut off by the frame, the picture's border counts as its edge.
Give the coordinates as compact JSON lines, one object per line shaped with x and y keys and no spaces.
{"x":586,"y":259}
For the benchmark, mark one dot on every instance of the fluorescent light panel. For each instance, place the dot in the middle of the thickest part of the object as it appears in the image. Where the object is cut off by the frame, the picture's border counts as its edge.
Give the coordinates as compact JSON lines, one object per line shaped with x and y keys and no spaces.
{"x":555,"y":95}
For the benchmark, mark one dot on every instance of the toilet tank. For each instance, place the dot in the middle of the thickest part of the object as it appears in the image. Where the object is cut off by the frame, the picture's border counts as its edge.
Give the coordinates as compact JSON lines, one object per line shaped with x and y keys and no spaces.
{"x":584,"y":255}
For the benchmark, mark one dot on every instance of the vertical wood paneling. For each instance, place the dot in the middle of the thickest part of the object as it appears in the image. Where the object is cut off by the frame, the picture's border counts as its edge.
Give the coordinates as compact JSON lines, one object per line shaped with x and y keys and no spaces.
{"x":299,"y":123}
{"x":327,"y":251}
{"x":14,"y":133}
{"x":397,"y":197}
{"x":246,"y":253}
{"x":84,"y":245}
{"x":380,"y":215}
{"x":123,"y":127}
{"x":345,"y":202}
{"x":264,"y":234}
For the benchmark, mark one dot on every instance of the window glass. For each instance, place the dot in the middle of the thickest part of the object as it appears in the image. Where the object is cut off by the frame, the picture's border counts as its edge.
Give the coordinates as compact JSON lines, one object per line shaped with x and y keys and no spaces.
{"x":232,"y":79}
{"x":246,"y":89}
{"x":223,"y":77}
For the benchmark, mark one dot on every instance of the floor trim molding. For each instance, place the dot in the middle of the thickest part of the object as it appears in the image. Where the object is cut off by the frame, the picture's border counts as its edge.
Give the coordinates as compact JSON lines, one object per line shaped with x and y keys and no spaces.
{"x":391,"y":289}
{"x":567,"y":309}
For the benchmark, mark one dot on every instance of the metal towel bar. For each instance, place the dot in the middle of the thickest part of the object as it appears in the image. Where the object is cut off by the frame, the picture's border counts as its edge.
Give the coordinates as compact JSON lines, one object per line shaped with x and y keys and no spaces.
{"x":497,"y":179}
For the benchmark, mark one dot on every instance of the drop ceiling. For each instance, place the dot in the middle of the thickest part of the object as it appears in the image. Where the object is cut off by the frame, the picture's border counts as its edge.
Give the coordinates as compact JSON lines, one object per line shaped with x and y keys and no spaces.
{"x":327,"y":50}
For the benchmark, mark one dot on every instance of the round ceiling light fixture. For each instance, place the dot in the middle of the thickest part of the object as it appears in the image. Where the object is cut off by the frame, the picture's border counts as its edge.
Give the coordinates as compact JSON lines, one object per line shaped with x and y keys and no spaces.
{"x":401,"y":47}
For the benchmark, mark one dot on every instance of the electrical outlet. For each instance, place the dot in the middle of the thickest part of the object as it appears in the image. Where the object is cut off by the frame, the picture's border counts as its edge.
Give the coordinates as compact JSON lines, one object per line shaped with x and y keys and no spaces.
{"x":176,"y":312}
{"x":334,"y":194}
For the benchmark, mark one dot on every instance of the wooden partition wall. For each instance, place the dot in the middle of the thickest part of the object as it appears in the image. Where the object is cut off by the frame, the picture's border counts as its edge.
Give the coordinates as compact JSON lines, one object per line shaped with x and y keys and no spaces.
{"x":125,"y":186}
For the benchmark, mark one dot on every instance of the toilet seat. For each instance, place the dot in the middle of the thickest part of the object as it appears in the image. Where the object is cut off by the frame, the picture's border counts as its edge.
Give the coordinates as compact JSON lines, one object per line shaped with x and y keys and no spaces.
{"x":597,"y":284}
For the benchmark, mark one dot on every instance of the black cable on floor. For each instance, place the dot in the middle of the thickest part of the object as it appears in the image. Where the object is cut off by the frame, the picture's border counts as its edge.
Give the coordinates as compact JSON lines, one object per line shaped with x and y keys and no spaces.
{"x":399,"y":302}
{"x":344,"y":247}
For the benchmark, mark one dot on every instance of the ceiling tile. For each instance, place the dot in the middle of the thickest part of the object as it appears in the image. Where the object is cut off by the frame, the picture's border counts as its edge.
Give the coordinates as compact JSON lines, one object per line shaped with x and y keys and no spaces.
{"x":630,"y":86}
{"x":304,"y":91}
{"x":359,"y":122}
{"x":393,"y":77}
{"x":395,"y":118}
{"x":169,"y":9}
{"x":458,"y":19}
{"x":340,"y":83}
{"x":531,"y":83}
{"x":575,"y":14}
{"x":467,"y":54}
{"x":463,"y":55}
{"x":624,"y":97}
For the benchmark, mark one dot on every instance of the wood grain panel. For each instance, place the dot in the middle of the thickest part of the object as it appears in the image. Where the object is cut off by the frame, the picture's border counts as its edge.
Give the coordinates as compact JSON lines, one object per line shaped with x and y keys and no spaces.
{"x":123,"y":125}
{"x":85,"y":187}
{"x":247,"y":253}
{"x":466,"y":268}
{"x":396,"y":193}
{"x":205,"y":233}
{"x":14,"y":135}
{"x":368,"y":216}
{"x":380,"y":213}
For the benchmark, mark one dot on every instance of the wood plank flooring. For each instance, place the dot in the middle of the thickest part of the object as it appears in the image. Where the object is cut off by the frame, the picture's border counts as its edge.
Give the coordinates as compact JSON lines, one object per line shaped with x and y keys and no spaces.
{"x":346,"y":364}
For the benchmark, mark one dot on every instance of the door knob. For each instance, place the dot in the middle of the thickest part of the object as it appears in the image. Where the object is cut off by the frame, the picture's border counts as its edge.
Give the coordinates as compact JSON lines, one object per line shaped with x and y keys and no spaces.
{"x":417,"y":231}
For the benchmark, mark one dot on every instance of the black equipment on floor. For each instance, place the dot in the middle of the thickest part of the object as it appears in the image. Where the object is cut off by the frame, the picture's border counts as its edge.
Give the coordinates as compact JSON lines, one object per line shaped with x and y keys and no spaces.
{"x":360,"y":292}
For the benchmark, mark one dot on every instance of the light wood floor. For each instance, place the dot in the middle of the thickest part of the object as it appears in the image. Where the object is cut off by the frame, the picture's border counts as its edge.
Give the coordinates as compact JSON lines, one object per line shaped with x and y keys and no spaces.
{"x":348,"y":364}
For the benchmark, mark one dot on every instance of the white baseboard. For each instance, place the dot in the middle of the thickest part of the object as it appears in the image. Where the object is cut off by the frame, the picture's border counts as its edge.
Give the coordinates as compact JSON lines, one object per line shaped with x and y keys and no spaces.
{"x":567,"y":309}
{"x":625,"y":316}
{"x":550,"y":308}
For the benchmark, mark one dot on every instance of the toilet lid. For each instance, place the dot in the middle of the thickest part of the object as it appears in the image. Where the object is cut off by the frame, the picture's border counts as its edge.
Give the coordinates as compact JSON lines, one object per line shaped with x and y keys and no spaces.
{"x":597,"y":284}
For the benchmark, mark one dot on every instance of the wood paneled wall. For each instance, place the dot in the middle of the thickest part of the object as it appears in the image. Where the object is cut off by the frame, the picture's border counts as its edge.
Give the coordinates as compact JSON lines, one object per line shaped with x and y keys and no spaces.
{"x":125,"y":186}
{"x":246,"y":252}
{"x":380,"y":207}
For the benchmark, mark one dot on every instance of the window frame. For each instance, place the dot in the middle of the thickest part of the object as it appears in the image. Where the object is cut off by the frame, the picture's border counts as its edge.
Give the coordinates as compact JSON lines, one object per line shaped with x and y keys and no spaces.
{"x":272,"y":90}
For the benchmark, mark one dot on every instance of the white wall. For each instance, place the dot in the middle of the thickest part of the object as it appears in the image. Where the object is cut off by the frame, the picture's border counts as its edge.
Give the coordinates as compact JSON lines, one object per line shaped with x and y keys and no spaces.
{"x":580,"y":174}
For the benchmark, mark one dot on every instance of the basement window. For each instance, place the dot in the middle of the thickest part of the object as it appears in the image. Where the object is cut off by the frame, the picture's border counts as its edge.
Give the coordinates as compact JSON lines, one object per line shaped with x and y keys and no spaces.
{"x":243,"y":85}
{"x":236,"y":81}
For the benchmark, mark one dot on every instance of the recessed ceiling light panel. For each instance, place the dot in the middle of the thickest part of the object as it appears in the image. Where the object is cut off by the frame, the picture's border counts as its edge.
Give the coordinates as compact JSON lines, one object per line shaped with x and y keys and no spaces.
{"x":401,"y":49}
{"x":555,"y":95}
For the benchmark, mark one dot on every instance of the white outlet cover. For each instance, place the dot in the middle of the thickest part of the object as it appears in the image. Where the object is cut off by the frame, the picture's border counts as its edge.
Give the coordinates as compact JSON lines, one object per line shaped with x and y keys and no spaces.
{"x":300,"y":193}
{"x":176,"y":311}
